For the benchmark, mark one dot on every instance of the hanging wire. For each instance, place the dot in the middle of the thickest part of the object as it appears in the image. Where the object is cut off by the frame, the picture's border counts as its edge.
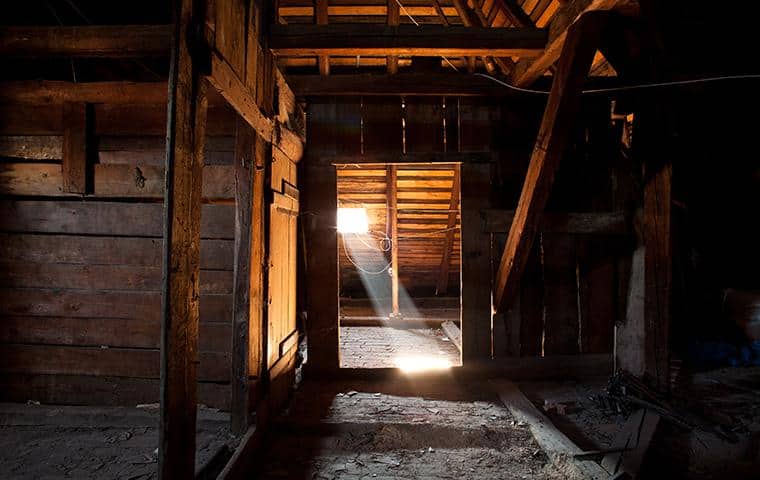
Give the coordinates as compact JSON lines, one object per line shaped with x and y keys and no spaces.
{"x":625,"y":88}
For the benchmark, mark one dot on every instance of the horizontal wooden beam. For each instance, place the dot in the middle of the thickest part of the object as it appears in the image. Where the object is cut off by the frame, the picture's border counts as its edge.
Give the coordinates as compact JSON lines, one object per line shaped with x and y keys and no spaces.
{"x":602,"y":223}
{"x":418,"y":84}
{"x":364,"y":10}
{"x":432,"y":157}
{"x":378,"y":39}
{"x":118,"y":41}
{"x":46,"y":92}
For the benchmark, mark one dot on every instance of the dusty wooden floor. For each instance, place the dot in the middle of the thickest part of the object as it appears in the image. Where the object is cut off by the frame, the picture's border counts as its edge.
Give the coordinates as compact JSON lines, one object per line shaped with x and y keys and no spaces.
{"x":377,"y":347}
{"x":46,"y":442}
{"x":402,"y":429}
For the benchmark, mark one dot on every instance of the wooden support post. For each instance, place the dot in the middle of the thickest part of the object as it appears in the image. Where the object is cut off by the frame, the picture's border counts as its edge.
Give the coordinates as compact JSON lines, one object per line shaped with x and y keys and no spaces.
{"x":476,"y":263}
{"x":658,"y":269}
{"x":241,"y":304}
{"x":393,"y":20}
{"x":185,"y":133}
{"x":74,"y":165}
{"x":559,"y":116}
{"x":448,"y":243}
{"x":321,"y":18}
{"x":391,"y":193}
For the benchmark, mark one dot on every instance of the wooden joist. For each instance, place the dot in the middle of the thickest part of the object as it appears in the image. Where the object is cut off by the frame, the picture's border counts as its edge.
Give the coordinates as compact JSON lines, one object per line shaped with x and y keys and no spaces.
{"x":51,"y":92}
{"x":117,"y":41}
{"x":563,"y":104}
{"x":416,"y":84}
{"x":372,"y":39}
{"x":528,"y":71}
{"x":602,"y":223}
{"x":321,"y":18}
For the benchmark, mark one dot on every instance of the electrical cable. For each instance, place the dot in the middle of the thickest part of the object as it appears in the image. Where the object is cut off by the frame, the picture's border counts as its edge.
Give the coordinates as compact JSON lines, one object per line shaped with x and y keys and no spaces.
{"x":360,"y":268}
{"x":624,"y":88}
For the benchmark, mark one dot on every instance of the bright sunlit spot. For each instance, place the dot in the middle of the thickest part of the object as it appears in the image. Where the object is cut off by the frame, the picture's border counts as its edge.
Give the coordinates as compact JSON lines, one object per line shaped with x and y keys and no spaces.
{"x":422,"y":363}
{"x":353,"y":220}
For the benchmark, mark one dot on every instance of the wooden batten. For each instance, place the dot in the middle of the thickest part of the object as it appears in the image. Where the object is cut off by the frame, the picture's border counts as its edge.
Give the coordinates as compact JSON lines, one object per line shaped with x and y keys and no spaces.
{"x":75,"y":148}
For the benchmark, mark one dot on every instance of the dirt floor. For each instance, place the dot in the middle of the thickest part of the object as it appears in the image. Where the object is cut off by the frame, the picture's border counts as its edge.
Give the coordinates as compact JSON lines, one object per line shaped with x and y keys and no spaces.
{"x":403,"y":429}
{"x":47,"y":442}
{"x":377,"y":347}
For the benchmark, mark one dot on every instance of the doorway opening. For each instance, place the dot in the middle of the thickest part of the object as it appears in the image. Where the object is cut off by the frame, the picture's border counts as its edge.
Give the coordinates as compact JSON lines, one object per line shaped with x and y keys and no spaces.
{"x":399,"y":266}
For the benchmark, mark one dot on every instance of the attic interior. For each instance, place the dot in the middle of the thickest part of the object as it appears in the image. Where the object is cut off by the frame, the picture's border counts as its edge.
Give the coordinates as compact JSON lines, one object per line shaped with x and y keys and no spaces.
{"x":378,"y":239}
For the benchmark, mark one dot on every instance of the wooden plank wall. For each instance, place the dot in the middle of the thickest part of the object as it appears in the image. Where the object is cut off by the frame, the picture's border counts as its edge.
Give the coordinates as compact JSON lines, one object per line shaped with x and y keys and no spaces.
{"x":80,"y":298}
{"x":574,"y":290}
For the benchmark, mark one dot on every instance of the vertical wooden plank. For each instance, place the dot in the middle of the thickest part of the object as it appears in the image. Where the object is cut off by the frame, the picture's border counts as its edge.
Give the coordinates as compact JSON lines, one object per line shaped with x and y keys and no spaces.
{"x":231,"y":38}
{"x":442,"y":285}
{"x":321,"y":18}
{"x":381,"y":119}
{"x":532,"y":305}
{"x":321,"y":203}
{"x":476,"y":266}
{"x":393,"y":20}
{"x":241,"y":306}
{"x":561,"y":295}
{"x":392,"y":199}
{"x":74,"y":165}
{"x":658,"y":269}
{"x":185,"y":133}
{"x":424,"y":124}
{"x":259,"y":232}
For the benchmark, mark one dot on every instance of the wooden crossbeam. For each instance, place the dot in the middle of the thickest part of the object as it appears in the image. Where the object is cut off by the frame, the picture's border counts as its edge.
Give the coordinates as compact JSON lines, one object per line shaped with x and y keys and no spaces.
{"x":430,"y":41}
{"x":564,"y":101}
{"x":602,"y":223}
{"x":442,"y":285}
{"x":528,"y":71}
{"x":418,"y":84}
{"x":118,"y":41}
{"x":45,"y":92}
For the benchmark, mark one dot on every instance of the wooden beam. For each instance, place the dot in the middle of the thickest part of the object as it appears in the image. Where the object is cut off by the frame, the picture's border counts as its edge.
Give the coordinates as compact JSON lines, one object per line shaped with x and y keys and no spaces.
{"x":186,"y":123}
{"x":240,"y":406}
{"x":321,"y":18}
{"x":75,"y":147}
{"x":563,"y":104}
{"x":442,"y":286}
{"x":383,"y":158}
{"x":514,"y":13}
{"x":528,"y":71}
{"x":116,"y":41}
{"x":240,"y":97}
{"x":392,"y":199}
{"x":392,"y":20}
{"x":373,"y":39}
{"x":557,"y":446}
{"x":417,"y":84}
{"x":50,"y":92}
{"x":476,"y":263}
{"x":470,"y":21}
{"x":601,"y":223}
